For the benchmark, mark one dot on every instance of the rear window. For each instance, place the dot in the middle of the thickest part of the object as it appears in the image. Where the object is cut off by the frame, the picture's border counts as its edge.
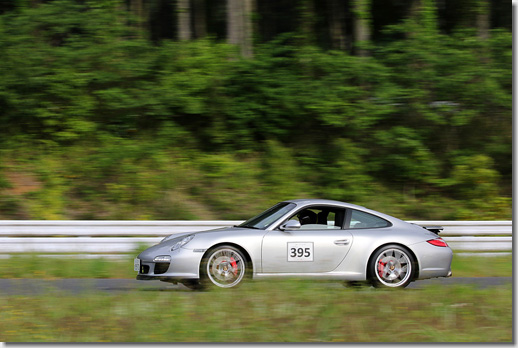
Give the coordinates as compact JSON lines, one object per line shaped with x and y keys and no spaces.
{"x":360,"y":219}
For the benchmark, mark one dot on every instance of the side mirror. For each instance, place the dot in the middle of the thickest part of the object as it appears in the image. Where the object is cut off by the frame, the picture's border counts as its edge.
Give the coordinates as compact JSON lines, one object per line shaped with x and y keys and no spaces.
{"x":291,"y":225}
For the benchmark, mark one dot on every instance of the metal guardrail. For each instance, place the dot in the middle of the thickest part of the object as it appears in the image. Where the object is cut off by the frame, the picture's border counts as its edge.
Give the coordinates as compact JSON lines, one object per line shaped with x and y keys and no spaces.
{"x":105,"y":238}
{"x":475,"y":236}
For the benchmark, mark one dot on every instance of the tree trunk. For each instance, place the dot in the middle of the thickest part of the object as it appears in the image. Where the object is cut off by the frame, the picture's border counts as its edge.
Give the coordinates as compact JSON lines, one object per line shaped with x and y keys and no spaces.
{"x":483,"y":19}
{"x":184,"y":20}
{"x":239,"y":25}
{"x":362,"y":31}
{"x":414,"y":13}
{"x":232,"y":22}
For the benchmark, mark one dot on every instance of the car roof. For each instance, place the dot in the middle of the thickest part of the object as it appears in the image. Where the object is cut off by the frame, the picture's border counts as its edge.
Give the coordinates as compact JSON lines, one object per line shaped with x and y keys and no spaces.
{"x":311,"y":201}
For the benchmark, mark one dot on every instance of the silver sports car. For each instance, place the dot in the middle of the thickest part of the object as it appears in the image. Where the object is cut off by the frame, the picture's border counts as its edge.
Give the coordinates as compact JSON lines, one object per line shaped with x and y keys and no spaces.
{"x":302,"y":238}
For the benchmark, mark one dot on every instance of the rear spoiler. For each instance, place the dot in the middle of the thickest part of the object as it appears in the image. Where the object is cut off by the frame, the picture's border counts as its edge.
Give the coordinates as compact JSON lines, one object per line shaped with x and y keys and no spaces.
{"x":434,"y":229}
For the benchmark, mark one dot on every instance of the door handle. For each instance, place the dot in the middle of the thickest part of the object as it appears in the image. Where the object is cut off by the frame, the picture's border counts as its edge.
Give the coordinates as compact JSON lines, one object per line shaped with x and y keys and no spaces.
{"x":342,"y":242}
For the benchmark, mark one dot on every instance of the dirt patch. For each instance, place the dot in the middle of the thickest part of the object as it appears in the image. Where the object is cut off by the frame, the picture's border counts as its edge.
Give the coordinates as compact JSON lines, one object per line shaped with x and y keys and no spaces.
{"x":22,"y":183}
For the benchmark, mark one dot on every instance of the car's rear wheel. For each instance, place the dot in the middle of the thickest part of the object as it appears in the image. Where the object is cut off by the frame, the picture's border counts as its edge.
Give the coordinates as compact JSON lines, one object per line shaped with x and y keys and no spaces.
{"x":224,"y":266}
{"x":392,"y":266}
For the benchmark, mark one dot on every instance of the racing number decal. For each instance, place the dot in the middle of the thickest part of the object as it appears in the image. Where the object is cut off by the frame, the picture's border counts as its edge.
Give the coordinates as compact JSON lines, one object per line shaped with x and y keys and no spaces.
{"x":300,"y":252}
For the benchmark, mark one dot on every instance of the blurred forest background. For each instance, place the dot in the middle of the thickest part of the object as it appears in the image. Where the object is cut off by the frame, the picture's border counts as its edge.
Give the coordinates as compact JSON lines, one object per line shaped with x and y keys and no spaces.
{"x":216,"y":109}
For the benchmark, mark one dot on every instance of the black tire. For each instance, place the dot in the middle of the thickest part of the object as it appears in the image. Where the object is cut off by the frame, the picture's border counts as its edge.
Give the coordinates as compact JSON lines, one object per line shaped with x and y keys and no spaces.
{"x":392,"y":266}
{"x":224,"y":266}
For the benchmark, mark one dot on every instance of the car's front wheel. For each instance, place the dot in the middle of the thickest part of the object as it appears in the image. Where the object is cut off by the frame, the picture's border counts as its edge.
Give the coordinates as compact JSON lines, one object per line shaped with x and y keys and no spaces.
{"x":224,"y":266}
{"x":392,"y":266}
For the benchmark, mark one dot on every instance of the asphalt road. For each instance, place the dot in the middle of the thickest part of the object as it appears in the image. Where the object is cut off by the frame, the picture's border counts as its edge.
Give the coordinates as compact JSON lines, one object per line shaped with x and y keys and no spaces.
{"x":28,"y":287}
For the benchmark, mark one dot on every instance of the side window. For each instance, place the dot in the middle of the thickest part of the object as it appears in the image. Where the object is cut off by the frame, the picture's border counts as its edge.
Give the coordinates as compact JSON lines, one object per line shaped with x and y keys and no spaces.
{"x":360,"y":219}
{"x":320,"y":218}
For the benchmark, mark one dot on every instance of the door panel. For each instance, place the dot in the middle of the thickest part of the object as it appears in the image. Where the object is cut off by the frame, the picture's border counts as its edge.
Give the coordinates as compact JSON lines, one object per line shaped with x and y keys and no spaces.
{"x":304,"y":251}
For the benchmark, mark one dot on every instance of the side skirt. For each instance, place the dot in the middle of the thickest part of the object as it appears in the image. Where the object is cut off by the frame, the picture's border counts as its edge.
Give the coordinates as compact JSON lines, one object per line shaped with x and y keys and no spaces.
{"x":327,"y":275}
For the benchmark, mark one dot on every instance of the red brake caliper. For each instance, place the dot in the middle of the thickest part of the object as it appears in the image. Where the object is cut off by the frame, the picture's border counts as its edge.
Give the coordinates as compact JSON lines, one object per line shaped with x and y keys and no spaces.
{"x":234,"y":265}
{"x":381,"y":267}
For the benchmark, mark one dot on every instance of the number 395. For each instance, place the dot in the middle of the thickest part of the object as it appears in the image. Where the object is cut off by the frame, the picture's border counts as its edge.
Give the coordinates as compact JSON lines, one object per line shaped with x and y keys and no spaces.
{"x":300,"y":252}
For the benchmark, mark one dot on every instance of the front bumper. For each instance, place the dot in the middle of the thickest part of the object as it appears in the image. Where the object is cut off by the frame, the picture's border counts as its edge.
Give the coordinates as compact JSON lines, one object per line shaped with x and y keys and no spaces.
{"x":185,"y":264}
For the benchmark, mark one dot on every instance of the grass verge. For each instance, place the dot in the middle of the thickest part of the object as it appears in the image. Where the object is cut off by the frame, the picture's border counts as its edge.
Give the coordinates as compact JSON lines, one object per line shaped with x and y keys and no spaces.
{"x":273,"y":311}
{"x":482,"y":266}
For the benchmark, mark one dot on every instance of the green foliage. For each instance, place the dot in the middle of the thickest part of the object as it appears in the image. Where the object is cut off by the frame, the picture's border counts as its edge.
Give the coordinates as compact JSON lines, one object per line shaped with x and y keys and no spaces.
{"x":48,"y":203}
{"x":117,"y":127}
{"x":402,"y":157}
{"x":346,"y":178}
{"x":226,"y":182}
{"x":474,"y":177}
{"x":280,"y":177}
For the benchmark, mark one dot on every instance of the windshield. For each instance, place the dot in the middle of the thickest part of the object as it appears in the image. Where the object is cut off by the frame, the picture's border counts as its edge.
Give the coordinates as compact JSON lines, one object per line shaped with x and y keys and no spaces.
{"x":268,"y":217}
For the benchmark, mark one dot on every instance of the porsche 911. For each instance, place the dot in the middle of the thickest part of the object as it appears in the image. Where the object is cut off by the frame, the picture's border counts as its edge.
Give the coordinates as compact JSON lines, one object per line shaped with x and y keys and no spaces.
{"x":312,"y":238}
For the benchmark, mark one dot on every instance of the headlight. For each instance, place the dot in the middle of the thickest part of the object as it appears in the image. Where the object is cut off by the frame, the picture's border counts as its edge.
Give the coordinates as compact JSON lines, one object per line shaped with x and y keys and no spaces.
{"x":162,"y":258}
{"x":182,"y":242}
{"x":167,"y":238}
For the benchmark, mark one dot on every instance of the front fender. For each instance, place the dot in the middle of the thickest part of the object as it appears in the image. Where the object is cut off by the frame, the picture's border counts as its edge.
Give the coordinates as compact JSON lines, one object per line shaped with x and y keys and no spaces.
{"x":248,"y":240}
